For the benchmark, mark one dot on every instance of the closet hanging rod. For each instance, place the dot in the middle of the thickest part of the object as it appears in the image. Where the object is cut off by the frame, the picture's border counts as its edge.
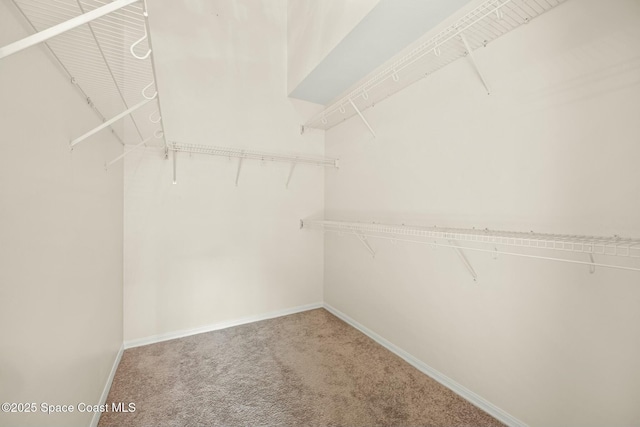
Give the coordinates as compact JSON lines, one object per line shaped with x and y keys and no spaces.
{"x":591,"y":245}
{"x":72,"y":23}
{"x":253,"y":154}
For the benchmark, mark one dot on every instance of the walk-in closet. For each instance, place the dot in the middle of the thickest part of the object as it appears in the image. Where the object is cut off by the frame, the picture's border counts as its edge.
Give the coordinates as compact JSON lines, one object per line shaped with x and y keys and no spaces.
{"x":320,"y":213}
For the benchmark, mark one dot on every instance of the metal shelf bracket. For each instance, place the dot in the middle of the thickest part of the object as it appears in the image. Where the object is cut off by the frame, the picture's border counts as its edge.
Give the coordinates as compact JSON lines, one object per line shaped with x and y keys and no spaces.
{"x":464,"y":259}
{"x":592,"y":266}
{"x":362,"y":117}
{"x":365,"y":243}
{"x":474,"y":63}
{"x":175,"y":156}
{"x":293,"y":166}
{"x":239,"y":168}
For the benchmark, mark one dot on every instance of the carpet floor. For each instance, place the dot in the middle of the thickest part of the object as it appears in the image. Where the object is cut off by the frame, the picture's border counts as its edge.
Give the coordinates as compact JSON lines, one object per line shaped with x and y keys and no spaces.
{"x":306,"y":369}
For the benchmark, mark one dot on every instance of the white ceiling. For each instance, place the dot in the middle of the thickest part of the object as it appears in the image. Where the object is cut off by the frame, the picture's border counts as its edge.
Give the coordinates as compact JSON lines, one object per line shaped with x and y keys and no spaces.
{"x":390,"y":27}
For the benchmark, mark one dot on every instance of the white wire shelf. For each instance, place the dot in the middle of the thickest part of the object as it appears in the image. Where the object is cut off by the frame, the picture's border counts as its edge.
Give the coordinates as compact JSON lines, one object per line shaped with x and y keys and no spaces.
{"x":487,"y":22}
{"x":614,"y":246}
{"x":254,"y":154}
{"x":247,"y":154}
{"x":97,"y":59}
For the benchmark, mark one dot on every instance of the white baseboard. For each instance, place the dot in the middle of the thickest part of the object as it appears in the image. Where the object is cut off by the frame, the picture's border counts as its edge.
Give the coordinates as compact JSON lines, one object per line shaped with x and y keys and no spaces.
{"x":217,"y":326}
{"x":107,"y":386}
{"x":463,"y":392}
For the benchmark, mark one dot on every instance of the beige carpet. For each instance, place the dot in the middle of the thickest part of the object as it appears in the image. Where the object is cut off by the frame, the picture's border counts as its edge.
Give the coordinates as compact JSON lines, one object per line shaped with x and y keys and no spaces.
{"x":306,"y":369}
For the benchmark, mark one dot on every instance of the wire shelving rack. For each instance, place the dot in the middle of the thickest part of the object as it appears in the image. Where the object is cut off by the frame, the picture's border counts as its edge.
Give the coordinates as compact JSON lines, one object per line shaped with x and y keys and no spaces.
{"x":254,"y":154}
{"x":109,"y":59}
{"x":250,"y":154}
{"x":498,"y":242}
{"x":476,"y":29}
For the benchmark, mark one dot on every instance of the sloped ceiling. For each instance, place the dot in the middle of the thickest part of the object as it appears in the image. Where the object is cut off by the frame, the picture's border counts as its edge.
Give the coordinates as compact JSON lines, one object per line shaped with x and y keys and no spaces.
{"x":390,"y":27}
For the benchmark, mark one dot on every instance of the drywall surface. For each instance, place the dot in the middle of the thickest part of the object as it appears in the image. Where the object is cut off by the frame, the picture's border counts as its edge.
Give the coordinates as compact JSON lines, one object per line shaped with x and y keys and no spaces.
{"x":61,"y":225}
{"x":553,"y":149}
{"x":314,"y":28}
{"x":204,"y":251}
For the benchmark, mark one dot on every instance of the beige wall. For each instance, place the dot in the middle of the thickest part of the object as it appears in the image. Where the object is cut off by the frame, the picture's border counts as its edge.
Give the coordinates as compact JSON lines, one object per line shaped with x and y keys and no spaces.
{"x":60,"y":240}
{"x":314,"y":28}
{"x":204,"y":251}
{"x":554,"y":148}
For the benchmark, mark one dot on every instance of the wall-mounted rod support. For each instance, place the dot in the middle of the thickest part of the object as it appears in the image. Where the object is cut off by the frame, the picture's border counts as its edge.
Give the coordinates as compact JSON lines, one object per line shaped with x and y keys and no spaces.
{"x":72,"y":23}
{"x":362,"y":117}
{"x":464,"y":259}
{"x":474,"y":63}
{"x":121,"y":156}
{"x":366,"y":244}
{"x":108,"y":122}
{"x":239,"y":168}
{"x":293,"y":166}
